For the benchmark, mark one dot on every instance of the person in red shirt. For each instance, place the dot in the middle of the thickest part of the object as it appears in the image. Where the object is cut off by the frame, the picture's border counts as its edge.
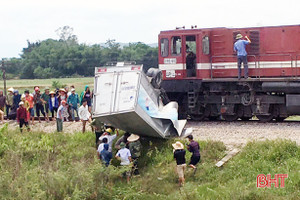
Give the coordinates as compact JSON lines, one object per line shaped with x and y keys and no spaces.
{"x":22,"y":116}
{"x":29,"y":98}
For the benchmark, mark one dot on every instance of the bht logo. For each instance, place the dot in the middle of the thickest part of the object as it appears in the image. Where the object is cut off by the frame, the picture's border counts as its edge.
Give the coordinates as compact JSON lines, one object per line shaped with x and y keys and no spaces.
{"x":266,"y":181}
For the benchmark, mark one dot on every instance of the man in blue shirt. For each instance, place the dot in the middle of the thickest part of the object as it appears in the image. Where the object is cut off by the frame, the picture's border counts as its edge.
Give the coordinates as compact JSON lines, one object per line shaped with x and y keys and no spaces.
{"x":73,"y":101}
{"x":240,"y":48}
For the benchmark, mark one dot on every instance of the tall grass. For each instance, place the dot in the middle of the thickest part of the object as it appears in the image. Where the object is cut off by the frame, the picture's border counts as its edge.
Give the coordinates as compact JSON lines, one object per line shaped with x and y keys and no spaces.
{"x":65,"y":166}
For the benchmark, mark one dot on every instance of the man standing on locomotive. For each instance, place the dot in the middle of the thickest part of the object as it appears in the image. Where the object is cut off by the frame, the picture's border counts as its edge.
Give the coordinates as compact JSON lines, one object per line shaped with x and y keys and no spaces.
{"x":240,"y":48}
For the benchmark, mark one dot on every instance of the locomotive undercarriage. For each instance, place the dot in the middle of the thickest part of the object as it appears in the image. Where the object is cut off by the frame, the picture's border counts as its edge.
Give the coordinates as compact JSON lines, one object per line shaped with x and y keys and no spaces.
{"x":235,"y":100}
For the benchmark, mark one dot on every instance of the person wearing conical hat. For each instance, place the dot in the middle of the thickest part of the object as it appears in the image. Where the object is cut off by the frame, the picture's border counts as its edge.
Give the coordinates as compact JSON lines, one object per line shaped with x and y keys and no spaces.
{"x":240,"y":49}
{"x":53,"y":103}
{"x":9,"y":100}
{"x":179,"y":155}
{"x":135,"y":148}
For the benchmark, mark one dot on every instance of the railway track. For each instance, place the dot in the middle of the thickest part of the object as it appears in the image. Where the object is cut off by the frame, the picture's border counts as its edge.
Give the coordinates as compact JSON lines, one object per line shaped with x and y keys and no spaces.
{"x":249,"y":121}
{"x":238,"y":133}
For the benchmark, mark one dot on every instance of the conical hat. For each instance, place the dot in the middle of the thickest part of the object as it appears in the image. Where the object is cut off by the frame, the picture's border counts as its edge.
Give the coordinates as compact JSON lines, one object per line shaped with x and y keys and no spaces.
{"x":133,"y":138}
{"x":178,"y":145}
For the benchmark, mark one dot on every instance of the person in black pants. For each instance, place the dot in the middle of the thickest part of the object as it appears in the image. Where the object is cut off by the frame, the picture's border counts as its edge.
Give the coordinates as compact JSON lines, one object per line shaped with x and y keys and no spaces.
{"x":38,"y":103}
{"x":22,"y":117}
{"x":195,"y":149}
{"x":99,"y":130}
{"x":179,"y":155}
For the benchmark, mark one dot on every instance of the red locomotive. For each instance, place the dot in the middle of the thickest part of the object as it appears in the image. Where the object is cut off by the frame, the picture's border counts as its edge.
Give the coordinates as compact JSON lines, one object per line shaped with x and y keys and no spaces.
{"x":199,"y":68}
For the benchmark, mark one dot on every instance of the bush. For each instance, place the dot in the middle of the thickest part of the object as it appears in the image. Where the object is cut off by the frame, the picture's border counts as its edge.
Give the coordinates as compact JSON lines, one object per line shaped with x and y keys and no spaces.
{"x":58,"y":84}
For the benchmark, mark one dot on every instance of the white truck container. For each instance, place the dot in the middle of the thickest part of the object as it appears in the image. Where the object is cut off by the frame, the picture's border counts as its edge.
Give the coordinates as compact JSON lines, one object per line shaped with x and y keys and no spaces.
{"x":124,"y":98}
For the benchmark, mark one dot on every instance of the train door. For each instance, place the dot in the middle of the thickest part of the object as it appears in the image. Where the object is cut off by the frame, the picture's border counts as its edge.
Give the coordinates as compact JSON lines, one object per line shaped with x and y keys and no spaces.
{"x":190,"y":55}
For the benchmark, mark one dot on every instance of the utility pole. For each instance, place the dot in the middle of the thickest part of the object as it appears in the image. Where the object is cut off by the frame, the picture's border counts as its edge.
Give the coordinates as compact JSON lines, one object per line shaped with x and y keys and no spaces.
{"x":3,"y":75}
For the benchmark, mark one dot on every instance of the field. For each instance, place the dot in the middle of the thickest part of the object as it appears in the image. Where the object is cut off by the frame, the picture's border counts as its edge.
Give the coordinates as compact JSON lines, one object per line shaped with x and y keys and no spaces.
{"x":22,"y":84}
{"x":41,"y":165}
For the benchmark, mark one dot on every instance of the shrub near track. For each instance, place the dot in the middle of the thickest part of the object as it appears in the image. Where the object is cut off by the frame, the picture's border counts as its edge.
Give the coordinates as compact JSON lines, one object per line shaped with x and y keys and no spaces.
{"x":65,"y":166}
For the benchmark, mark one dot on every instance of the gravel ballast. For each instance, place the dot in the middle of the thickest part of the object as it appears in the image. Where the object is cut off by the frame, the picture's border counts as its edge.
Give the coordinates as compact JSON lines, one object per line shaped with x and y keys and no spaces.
{"x":237,"y":134}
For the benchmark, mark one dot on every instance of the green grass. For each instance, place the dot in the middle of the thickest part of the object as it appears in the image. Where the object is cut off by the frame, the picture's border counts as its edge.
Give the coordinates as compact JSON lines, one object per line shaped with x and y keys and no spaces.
{"x":64,"y":166}
{"x":22,"y":84}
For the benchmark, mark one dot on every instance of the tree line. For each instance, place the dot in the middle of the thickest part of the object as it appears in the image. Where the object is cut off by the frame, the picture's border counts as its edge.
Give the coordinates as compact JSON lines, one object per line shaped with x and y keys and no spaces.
{"x":66,"y":57}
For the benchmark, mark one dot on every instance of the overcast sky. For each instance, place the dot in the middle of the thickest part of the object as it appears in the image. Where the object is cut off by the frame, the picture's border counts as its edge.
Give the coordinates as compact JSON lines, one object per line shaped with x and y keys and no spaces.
{"x":95,"y":21}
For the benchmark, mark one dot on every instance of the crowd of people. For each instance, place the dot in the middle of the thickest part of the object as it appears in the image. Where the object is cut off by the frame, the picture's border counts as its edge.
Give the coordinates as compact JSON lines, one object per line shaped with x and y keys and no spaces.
{"x":128,"y":149}
{"x":61,"y":104}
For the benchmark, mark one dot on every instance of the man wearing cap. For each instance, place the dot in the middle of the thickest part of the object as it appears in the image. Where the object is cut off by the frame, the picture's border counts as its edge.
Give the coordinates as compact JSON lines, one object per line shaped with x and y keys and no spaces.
{"x":110,"y":138}
{"x":9,"y":100}
{"x":45,"y":99}
{"x":240,"y":48}
{"x":179,"y":155}
{"x":59,"y":117}
{"x":124,"y":156}
{"x":22,"y":116}
{"x":38,"y":103}
{"x":73,"y":101}
{"x":135,"y":147}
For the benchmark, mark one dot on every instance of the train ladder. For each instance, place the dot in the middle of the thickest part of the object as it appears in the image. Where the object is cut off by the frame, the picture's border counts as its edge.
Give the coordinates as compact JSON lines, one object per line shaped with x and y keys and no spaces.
{"x":192,"y":100}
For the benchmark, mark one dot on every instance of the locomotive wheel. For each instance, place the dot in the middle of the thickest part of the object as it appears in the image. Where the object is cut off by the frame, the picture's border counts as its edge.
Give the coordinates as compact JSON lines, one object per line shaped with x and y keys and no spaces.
{"x":230,"y":118}
{"x":279,"y":119}
{"x":269,"y":117}
{"x":264,"y":118}
{"x":213,"y":118}
{"x":245,"y":118}
{"x":197,"y":117}
{"x":202,"y":114}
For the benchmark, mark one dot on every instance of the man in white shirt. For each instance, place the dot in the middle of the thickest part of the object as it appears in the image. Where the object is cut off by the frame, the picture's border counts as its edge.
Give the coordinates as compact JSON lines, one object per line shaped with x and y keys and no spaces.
{"x":110,"y":138}
{"x":125,"y":156}
{"x":84,"y":114}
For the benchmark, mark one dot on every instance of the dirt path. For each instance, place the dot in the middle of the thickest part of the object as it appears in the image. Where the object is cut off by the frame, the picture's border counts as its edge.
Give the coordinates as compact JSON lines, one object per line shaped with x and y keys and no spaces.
{"x":237,"y":134}
{"x":68,"y":127}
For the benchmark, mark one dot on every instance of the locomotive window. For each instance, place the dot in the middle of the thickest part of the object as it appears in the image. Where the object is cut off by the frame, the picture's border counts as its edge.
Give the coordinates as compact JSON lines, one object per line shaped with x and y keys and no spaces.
{"x":176,"y":45}
{"x":205,"y":45}
{"x":190,"y":42}
{"x":164,"y":47}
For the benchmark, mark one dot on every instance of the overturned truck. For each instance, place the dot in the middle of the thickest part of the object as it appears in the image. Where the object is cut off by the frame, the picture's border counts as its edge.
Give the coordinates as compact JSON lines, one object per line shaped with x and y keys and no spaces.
{"x":126,"y":98}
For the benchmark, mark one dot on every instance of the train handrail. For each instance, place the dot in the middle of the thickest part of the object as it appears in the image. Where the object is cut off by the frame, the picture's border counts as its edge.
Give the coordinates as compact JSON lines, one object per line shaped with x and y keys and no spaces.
{"x":280,"y":54}
{"x":296,"y":65}
{"x":230,"y":56}
{"x":257,"y":59}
